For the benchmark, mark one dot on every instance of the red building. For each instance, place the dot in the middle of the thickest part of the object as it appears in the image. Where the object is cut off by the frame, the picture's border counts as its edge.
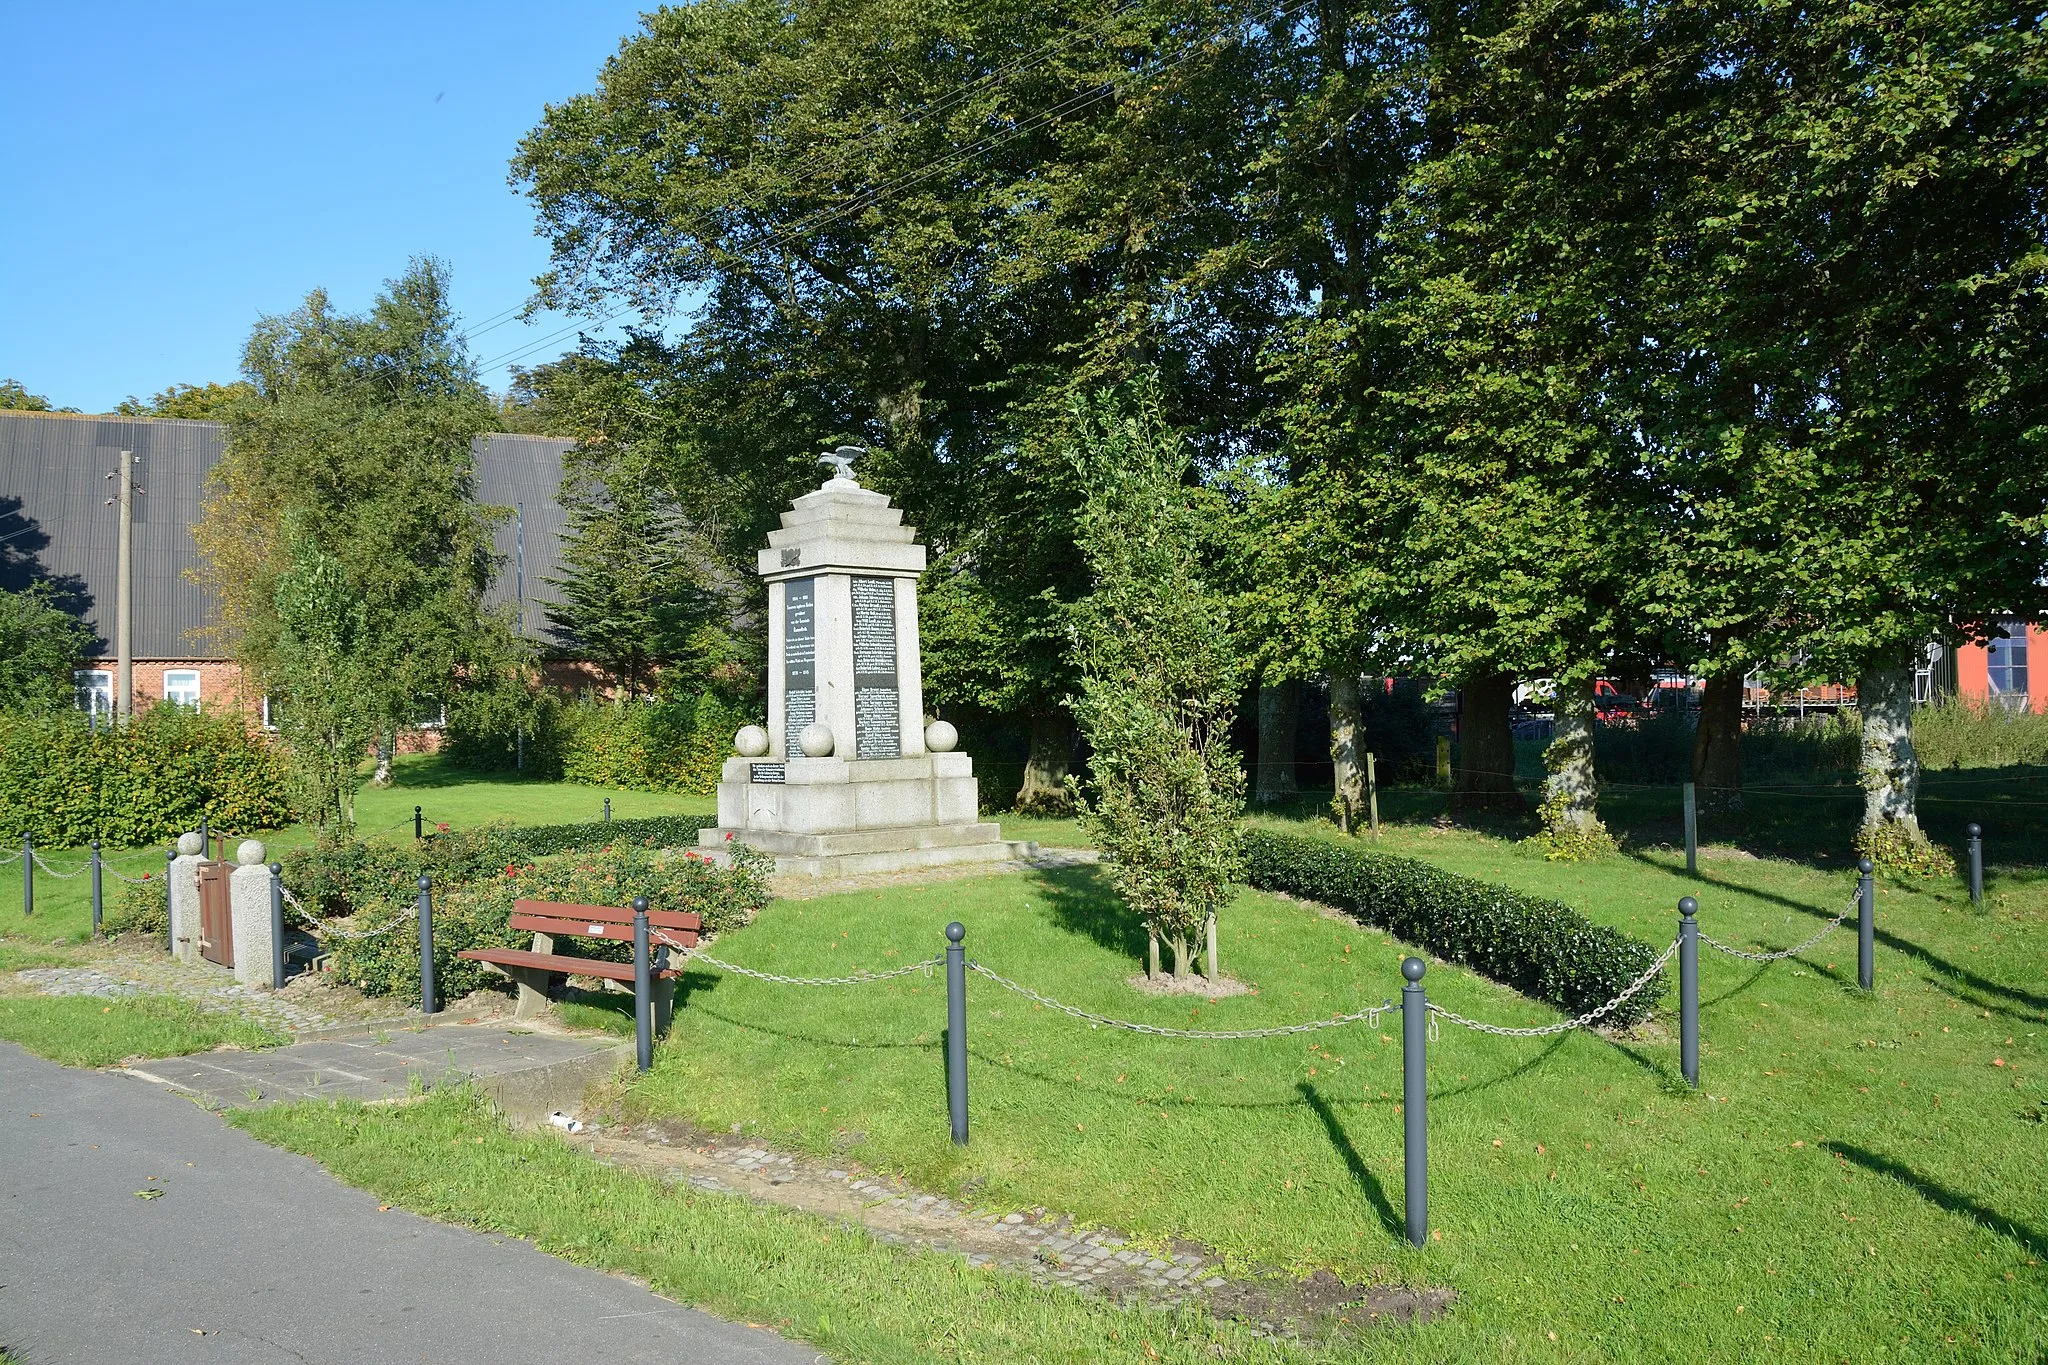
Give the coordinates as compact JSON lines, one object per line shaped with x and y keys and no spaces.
{"x":1998,"y":672}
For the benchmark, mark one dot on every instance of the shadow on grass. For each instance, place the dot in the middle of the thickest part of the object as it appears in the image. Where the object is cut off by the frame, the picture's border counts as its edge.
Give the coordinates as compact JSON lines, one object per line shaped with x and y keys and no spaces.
{"x":1361,"y":1175}
{"x":427,"y":772}
{"x":2029,"y":1239}
{"x":1082,"y":903}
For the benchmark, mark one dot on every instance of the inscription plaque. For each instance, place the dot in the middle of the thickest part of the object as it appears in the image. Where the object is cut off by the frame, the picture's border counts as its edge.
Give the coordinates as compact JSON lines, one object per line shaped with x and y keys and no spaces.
{"x":877,"y":711}
{"x":765,"y":772}
{"x":799,"y":659}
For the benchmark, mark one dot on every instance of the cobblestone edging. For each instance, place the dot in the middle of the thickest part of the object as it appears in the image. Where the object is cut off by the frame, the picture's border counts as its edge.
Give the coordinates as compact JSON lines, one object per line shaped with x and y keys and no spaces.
{"x":1048,"y":1248}
{"x":210,"y":989}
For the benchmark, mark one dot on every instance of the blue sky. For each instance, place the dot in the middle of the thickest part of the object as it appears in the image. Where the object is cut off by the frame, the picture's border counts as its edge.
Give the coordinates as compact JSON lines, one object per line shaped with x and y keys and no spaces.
{"x":175,"y":171}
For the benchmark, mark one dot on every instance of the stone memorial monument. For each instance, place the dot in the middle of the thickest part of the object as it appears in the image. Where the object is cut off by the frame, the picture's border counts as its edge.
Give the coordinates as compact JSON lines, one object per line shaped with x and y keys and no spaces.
{"x":848,"y":777}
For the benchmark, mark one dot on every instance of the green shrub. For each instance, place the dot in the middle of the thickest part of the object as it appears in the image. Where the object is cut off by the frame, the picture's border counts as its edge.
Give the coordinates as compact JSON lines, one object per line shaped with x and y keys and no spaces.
{"x":64,"y":784}
{"x":668,"y":744}
{"x":143,"y":907}
{"x":475,"y":913}
{"x":1542,"y":948}
{"x":347,"y":878}
{"x":1973,"y":734}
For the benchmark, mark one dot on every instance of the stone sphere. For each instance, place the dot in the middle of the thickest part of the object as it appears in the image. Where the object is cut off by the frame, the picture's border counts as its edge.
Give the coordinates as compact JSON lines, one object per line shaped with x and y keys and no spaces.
{"x":816,"y":740}
{"x":940,"y":737}
{"x":190,"y":844}
{"x":249,"y":853}
{"x":750,"y":742}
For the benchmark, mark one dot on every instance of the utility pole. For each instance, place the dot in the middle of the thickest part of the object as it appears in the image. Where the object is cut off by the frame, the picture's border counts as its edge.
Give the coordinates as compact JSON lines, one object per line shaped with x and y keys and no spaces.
{"x":124,"y":591}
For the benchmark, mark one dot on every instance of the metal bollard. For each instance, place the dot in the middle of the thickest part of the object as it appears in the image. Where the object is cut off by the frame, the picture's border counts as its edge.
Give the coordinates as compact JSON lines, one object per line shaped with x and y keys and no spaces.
{"x":607,"y":810}
{"x":96,"y":901}
{"x":418,"y":828}
{"x":1692,"y":831}
{"x":205,"y":839}
{"x":1689,"y":990}
{"x":170,"y":926}
{"x":1976,"y":833}
{"x":1415,"y":1098}
{"x":643,"y":989}
{"x":1866,"y":926}
{"x":277,"y":926}
{"x":28,"y":877}
{"x":956,"y":1030}
{"x":427,"y":1005}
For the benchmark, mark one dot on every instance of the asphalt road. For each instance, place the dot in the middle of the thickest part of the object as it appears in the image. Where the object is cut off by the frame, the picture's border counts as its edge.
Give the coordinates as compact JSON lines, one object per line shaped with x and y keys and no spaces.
{"x":255,"y":1255}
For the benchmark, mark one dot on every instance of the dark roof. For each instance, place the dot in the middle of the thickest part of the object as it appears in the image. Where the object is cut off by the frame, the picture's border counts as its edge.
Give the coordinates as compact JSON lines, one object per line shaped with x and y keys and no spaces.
{"x":55,"y":524}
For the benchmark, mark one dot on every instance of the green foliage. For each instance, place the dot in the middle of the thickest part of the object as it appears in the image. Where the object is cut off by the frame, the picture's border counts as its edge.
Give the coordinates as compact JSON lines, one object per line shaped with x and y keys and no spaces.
{"x":1158,"y":679}
{"x":1965,"y":734}
{"x":1567,"y":837}
{"x":142,"y":907}
{"x":340,"y":530}
{"x":40,"y":643}
{"x":665,"y":744}
{"x":1542,"y":948}
{"x":1895,"y":846}
{"x":474,"y":911}
{"x":140,"y":783}
{"x":15,"y":397}
{"x":194,"y":402}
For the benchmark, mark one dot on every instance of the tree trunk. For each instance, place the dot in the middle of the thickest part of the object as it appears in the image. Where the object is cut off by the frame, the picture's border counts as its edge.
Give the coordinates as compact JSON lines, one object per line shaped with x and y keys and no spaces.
{"x":387,"y":742}
{"x":1717,"y":745}
{"x":1891,"y":770}
{"x":1485,"y":779}
{"x":1045,"y":772}
{"x":1183,"y":959}
{"x":1571,"y":797}
{"x":1279,"y":704}
{"x":1346,"y":761}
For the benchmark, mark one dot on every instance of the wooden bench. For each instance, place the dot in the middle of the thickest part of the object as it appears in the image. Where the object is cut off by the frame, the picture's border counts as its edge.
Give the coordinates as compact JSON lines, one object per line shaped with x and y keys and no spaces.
{"x":536,"y":969}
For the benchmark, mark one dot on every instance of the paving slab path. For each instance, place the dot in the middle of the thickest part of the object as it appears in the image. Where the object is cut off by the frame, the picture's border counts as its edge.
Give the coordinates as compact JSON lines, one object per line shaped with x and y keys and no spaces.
{"x":252,"y":1254}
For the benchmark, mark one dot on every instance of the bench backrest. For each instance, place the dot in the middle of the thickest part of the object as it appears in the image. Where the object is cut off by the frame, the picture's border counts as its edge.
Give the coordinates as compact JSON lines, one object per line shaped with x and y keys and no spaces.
{"x":603,"y":921}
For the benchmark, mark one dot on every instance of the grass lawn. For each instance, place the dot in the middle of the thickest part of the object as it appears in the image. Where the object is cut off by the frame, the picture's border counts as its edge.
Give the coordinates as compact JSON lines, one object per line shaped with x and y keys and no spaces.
{"x":860,"y":1300}
{"x":1860,"y":1179}
{"x":85,"y":1031}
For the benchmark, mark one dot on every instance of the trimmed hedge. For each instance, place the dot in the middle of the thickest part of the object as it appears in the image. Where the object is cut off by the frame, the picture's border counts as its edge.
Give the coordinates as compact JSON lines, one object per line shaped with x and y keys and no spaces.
{"x":63,"y":784}
{"x":1542,"y":948}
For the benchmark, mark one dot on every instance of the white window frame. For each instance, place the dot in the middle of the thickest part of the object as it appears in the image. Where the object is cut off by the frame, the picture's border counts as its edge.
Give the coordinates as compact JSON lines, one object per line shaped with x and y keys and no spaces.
{"x":438,"y":720}
{"x":94,"y":688}
{"x":264,"y":710}
{"x":181,"y":674}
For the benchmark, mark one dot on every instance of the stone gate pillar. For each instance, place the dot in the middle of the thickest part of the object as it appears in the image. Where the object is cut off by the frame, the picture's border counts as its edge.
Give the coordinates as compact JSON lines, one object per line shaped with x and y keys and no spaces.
{"x":249,"y":913}
{"x":184,"y":896}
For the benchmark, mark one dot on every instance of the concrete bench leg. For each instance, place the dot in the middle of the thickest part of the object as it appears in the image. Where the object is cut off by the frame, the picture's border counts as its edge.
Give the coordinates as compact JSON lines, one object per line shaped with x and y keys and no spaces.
{"x":533,"y":990}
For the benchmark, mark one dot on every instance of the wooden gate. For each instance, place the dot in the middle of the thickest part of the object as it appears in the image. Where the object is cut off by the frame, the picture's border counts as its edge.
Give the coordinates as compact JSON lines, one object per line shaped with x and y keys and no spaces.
{"x":216,"y":920}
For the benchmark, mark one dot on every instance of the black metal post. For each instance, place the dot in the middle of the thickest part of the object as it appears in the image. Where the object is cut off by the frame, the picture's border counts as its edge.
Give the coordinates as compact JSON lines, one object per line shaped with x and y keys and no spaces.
{"x":607,"y":810}
{"x":956,"y":1030}
{"x":1692,"y":831}
{"x":427,"y":1005}
{"x":170,"y":908}
{"x":1415,"y":1097}
{"x":1976,"y":833}
{"x":277,"y":926}
{"x":643,"y":989}
{"x":28,"y":877}
{"x":1866,"y":926}
{"x":418,"y":831}
{"x":205,"y":839}
{"x":1689,"y":990}
{"x":96,"y":902}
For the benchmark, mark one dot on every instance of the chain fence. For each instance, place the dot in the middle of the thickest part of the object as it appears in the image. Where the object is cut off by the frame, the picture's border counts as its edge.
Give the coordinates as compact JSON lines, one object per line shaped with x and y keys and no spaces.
{"x":1369,"y":1016}
{"x":1590,"y":1017}
{"x":80,"y":870}
{"x":859,"y":979}
{"x":326,"y":930}
{"x":1793,"y":951}
{"x":9,"y":858}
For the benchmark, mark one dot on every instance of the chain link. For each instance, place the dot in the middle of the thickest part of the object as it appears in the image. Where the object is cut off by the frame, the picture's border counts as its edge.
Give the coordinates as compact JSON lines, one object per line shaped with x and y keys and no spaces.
{"x":325,"y":929}
{"x":143,"y":880}
{"x":1825,"y":930}
{"x":863,"y":979}
{"x":1591,"y":1016}
{"x":81,"y":869}
{"x":10,"y":858}
{"x":1370,"y":1016}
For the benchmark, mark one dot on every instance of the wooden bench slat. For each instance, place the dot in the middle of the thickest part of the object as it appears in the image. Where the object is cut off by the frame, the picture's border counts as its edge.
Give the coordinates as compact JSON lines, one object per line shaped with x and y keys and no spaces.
{"x":555,"y":962}
{"x":607,"y":914}
{"x":576,"y":928}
